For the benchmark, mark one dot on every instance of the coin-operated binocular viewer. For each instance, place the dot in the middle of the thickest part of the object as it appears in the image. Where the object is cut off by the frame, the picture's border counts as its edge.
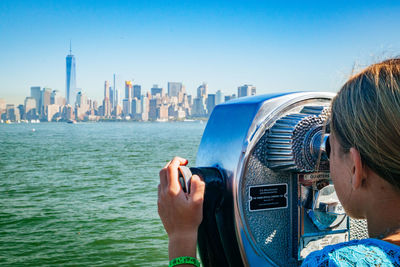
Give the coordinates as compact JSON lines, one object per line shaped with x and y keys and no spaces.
{"x":269,"y":197}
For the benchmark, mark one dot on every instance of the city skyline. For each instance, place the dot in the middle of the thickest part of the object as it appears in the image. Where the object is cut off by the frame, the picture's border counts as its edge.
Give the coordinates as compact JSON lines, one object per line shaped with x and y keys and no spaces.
{"x":48,"y":105}
{"x":71,"y":88}
{"x":114,"y":94}
{"x":223,"y":43}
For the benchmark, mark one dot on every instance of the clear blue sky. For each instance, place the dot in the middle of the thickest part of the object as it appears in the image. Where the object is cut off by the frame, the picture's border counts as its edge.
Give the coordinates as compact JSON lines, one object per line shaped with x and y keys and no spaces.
{"x":274,"y":45}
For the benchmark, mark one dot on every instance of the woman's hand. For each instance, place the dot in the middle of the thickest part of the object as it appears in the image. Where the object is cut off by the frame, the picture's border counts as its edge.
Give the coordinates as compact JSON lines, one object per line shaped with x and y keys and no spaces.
{"x":180,"y":213}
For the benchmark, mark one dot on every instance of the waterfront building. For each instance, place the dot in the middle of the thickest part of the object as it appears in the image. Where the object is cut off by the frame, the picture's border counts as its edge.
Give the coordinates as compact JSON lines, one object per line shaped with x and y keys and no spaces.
{"x":190,"y":100}
{"x":155,"y":90}
{"x":57,"y":98}
{"x":153,"y":105}
{"x":106,"y":108}
{"x":118,"y":110}
{"x":162,"y":112}
{"x":219,"y":97}
{"x":112,"y":100}
{"x":80,"y":113}
{"x":12,"y":113}
{"x":202,"y":90}
{"x":21,"y":110}
{"x":70,"y":84}
{"x":106,"y":101}
{"x":176,"y":112}
{"x":199,"y":107}
{"x":116,"y":94}
{"x":45,"y":100}
{"x":172,"y":111}
{"x":30,"y":108}
{"x":117,"y":99}
{"x":36,"y":93}
{"x":253,"y":90}
{"x":82,"y":105}
{"x":210,"y":103}
{"x":2,"y":109}
{"x":185,"y":102}
{"x":144,"y":103}
{"x":2,"y":104}
{"x":95,"y":105}
{"x":126,"y":107}
{"x":246,"y":90}
{"x":52,"y":112}
{"x":106,"y":90}
{"x":174,"y":88}
{"x":127,"y":101}
{"x":230,"y":97}
{"x":137,"y":91}
{"x":181,"y":113}
{"x":171,"y":100}
{"x":181,"y":96}
{"x":128,"y":89}
{"x":136,"y":109}
{"x":68,"y":112}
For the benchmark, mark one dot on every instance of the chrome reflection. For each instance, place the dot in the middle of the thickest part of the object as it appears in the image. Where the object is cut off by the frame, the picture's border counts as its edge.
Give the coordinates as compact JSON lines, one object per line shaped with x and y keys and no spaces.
{"x":326,"y":212}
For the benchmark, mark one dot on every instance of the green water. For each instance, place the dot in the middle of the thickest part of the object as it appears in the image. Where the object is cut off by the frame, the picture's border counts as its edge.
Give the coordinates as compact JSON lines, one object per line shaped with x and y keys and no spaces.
{"x":86,"y":194}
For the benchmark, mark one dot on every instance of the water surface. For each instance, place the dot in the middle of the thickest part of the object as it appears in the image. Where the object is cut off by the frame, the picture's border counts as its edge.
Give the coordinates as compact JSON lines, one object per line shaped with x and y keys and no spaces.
{"x":86,"y":193}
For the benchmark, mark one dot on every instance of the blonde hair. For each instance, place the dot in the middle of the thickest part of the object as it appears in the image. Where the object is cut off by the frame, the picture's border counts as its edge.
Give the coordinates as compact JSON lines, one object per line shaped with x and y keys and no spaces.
{"x":366,"y":115}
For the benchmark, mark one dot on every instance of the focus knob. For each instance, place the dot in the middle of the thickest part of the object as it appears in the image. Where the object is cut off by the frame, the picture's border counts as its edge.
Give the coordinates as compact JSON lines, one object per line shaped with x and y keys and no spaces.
{"x":296,"y":142}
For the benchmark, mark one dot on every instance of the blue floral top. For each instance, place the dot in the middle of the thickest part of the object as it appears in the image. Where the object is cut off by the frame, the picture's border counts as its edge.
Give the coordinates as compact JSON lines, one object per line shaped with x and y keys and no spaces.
{"x":365,"y":252}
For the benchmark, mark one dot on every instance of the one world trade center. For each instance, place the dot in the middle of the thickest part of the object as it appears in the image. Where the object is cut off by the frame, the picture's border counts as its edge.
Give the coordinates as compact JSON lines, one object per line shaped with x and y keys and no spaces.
{"x":71,"y":79}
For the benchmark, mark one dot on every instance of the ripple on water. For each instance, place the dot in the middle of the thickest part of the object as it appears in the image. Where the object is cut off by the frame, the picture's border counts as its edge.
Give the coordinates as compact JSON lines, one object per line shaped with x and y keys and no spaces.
{"x":86,"y":194}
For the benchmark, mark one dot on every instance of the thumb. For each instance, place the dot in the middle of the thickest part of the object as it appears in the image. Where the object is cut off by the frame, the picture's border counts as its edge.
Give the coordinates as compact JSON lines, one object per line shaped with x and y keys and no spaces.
{"x":197,"y":188}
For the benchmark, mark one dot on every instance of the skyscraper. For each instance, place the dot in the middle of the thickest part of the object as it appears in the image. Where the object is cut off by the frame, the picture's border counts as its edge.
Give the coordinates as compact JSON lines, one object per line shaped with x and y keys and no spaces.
{"x":36,"y":93}
{"x":199,"y":107}
{"x":136,"y":109}
{"x":145,"y":108}
{"x":57,"y":98}
{"x":116,"y":94}
{"x":219,"y":97}
{"x":30,"y":108}
{"x":246,"y":90}
{"x":157,"y":90}
{"x":174,"y":88}
{"x":137,"y":91}
{"x":126,"y":106}
{"x":112,"y":96}
{"x":2,"y":106}
{"x":70,"y":87}
{"x":106,"y":90}
{"x":202,"y":91}
{"x":128,"y":89}
{"x":210,"y":103}
{"x":106,"y":101}
{"x":45,"y":100}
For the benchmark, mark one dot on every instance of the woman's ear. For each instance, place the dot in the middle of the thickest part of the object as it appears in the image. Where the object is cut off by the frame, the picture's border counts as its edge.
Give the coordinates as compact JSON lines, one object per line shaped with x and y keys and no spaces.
{"x":357,"y":170}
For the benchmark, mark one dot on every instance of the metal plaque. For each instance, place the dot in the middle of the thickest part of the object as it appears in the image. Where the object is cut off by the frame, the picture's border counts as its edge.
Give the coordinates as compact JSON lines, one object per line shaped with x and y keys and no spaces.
{"x":266,"y":197}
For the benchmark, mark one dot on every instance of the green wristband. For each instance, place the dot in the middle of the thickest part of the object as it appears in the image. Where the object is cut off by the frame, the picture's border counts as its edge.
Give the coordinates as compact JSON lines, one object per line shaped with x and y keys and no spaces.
{"x":184,"y":260}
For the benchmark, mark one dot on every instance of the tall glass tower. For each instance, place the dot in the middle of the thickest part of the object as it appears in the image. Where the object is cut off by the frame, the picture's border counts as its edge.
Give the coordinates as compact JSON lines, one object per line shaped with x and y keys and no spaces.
{"x":70,"y":89}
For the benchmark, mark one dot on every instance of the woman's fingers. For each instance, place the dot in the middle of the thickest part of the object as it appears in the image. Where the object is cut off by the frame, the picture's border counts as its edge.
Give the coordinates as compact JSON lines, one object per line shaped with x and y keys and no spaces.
{"x":166,"y":165}
{"x":172,"y":173}
{"x":197,"y":188}
{"x":163,"y":178}
{"x":169,"y":175}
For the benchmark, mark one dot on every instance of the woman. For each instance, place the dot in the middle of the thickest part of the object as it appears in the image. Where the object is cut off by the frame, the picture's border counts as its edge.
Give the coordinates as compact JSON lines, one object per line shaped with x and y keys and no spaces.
{"x":364,"y":165}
